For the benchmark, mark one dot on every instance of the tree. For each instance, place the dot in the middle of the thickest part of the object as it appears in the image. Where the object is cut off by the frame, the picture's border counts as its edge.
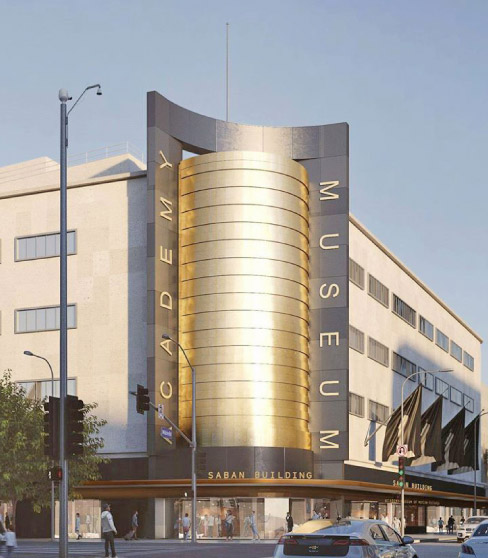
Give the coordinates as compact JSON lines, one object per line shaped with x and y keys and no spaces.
{"x":23,"y":465}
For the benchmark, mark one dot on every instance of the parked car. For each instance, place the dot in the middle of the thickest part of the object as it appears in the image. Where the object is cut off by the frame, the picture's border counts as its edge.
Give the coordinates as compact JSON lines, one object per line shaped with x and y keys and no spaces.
{"x":477,"y":544}
{"x":463,"y":532}
{"x":348,"y":538}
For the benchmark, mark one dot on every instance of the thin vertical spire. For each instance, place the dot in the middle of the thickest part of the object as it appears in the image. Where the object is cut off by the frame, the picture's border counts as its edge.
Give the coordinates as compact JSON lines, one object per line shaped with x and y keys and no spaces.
{"x":227,"y":73}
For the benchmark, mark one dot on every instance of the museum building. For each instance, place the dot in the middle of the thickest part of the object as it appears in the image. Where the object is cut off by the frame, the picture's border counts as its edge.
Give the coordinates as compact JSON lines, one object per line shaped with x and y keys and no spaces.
{"x":301,"y":325}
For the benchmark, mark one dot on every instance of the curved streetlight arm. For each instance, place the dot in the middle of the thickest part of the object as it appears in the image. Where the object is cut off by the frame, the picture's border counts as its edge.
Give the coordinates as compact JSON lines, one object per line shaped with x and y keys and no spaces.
{"x":86,"y":89}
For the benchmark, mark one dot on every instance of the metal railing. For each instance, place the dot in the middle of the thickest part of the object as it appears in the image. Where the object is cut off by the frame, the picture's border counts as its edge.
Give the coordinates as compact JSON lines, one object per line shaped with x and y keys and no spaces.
{"x":105,"y":153}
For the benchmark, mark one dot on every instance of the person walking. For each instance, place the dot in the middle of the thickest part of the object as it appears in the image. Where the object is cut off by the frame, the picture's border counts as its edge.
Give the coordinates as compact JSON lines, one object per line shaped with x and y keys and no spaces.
{"x":254,"y":526}
{"x":108,"y":531}
{"x":135,"y":524}
{"x":289,"y":522}
{"x":229,"y":524}
{"x":440,"y":524}
{"x":10,"y":541}
{"x":185,"y":523}
{"x":78,"y":526}
{"x":7,"y":521}
{"x":450,"y":524}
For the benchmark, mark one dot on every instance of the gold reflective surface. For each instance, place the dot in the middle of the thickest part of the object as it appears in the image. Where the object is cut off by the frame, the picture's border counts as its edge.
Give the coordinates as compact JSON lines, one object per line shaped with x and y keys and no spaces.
{"x":243,"y":299}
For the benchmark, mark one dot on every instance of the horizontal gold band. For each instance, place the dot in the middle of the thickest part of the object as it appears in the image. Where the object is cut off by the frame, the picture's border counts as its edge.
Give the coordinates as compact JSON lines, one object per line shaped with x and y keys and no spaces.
{"x":245,"y":372}
{"x":244,"y":301}
{"x":243,"y":319}
{"x":220,"y":198}
{"x":249,"y":355}
{"x":242,"y":160}
{"x":246,"y":408}
{"x":243,"y":284}
{"x":244,"y":231}
{"x":251,"y":178}
{"x":244,"y":214}
{"x":224,"y":389}
{"x":258,"y":249}
{"x":244,"y":266}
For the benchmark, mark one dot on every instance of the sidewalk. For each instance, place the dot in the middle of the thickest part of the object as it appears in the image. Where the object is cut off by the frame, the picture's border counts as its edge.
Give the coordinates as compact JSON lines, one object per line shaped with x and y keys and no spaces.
{"x":434,"y":537}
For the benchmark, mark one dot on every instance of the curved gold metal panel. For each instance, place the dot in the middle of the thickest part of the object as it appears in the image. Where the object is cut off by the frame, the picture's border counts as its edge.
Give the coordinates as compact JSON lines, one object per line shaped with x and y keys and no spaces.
{"x":243,"y":298}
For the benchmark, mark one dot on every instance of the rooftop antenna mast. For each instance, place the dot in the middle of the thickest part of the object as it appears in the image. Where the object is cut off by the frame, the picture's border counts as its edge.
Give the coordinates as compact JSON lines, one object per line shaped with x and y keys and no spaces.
{"x":227,"y":73}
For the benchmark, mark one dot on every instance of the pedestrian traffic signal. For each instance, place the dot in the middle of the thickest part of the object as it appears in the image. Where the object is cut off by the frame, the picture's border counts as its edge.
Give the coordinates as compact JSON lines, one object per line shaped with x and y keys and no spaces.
{"x":142,"y":399}
{"x":55,"y":474}
{"x":51,"y":428}
{"x":75,"y":415}
{"x":401,"y":471}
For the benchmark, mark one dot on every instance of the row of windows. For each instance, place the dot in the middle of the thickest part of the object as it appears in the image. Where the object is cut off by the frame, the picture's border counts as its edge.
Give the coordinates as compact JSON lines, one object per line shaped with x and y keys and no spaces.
{"x":399,"y":307}
{"x":43,"y":388}
{"x":42,"y":246}
{"x":380,"y":353}
{"x":42,"y":319}
{"x":376,"y":411}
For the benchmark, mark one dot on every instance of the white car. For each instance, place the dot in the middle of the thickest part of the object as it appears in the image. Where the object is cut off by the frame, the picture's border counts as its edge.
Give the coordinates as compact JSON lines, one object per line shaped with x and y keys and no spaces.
{"x":467,"y":529}
{"x":477,"y":544}
{"x":349,"y":538}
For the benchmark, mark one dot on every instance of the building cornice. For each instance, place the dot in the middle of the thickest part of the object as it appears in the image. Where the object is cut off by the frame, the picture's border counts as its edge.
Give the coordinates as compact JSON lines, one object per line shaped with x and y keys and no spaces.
{"x":410,"y":273}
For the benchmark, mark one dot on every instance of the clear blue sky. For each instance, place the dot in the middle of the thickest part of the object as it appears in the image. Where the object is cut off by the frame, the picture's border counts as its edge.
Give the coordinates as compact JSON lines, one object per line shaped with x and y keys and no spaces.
{"x":409,"y":77}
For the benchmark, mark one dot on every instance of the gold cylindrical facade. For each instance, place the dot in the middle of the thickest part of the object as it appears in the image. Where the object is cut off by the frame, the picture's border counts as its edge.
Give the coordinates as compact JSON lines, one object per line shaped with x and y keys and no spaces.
{"x":243,"y":298}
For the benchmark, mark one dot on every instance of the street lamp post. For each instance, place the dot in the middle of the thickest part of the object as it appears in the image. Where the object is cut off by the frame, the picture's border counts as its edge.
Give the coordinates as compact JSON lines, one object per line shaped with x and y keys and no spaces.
{"x":475,"y":480}
{"x":63,"y":322}
{"x":402,"y":509}
{"x":193,"y":442}
{"x":29,"y":353}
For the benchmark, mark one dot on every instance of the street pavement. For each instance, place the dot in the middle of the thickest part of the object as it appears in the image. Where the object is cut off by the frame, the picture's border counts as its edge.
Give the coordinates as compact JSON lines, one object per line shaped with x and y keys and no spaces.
{"x":162,"y":549}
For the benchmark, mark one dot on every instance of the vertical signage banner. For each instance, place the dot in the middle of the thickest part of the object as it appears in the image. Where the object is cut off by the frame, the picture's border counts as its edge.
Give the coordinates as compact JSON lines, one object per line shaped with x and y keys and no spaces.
{"x":329,"y":299}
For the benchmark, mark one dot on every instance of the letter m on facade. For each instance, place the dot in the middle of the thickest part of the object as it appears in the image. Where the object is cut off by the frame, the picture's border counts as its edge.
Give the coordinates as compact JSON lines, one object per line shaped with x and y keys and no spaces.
{"x":326,"y":439}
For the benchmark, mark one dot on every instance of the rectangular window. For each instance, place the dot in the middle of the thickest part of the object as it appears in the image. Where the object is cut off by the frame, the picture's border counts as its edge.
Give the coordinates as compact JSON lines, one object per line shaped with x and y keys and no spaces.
{"x":42,"y":389}
{"x":456,"y":351}
{"x":468,"y":360}
{"x":403,"y":366}
{"x":426,"y":328}
{"x":378,"y":291}
{"x":456,"y":396}
{"x":356,"y":404}
{"x":442,"y":340}
{"x":402,"y":309}
{"x":442,"y":388}
{"x":356,"y":273}
{"x":356,"y":339}
{"x":378,"y":412}
{"x":42,"y":319}
{"x":426,"y":379}
{"x":468,"y":403}
{"x":377,"y":351}
{"x":42,"y":246}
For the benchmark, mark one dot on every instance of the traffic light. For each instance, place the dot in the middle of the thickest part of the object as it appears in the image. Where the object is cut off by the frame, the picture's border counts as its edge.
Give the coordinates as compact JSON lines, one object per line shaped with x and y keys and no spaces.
{"x":75,"y":416}
{"x":142,"y":399}
{"x":55,"y":474}
{"x":51,"y":428}
{"x":401,"y":471}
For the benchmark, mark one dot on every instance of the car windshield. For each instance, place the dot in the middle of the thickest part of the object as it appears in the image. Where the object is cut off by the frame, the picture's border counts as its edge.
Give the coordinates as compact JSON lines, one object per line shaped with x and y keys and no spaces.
{"x":472,"y":520}
{"x":482,"y":531}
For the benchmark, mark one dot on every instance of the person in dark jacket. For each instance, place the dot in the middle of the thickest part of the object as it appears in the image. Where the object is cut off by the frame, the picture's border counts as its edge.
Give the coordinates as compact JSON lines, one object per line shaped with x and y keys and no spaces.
{"x":289,"y":522}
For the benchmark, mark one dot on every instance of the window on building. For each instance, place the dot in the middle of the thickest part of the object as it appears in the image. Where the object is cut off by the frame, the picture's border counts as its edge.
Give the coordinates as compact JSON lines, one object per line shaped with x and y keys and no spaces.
{"x":403,"y":366}
{"x":378,"y":412}
{"x":378,"y":291}
{"x":42,"y":319}
{"x":468,"y":360}
{"x":379,"y":352}
{"x":356,"y":339}
{"x":356,"y":404}
{"x":356,"y":273}
{"x":426,"y":379}
{"x":42,"y":246}
{"x":426,"y":328}
{"x":456,"y":351}
{"x":402,"y":309}
{"x":41,"y":389}
{"x":456,"y":396}
{"x":442,"y":340}
{"x":468,"y":403}
{"x":442,"y":388}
